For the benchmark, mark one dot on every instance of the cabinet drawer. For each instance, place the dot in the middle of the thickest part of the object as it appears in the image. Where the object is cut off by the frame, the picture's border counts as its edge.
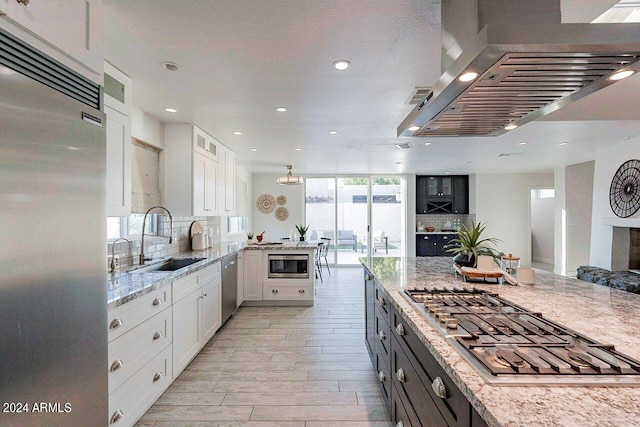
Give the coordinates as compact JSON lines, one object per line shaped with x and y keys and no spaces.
{"x":383,"y":332}
{"x":454,"y":407}
{"x":210,"y":272}
{"x":406,"y":380}
{"x":185,"y":286}
{"x":382,"y":302}
{"x":287,"y":293}
{"x":129,"y":352}
{"x":127,"y":316}
{"x":382,"y":365}
{"x":402,"y":415}
{"x":135,"y":396}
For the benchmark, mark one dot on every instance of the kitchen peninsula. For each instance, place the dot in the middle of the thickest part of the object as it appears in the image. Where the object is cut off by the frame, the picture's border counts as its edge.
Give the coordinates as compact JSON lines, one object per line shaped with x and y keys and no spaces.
{"x":605,"y":315}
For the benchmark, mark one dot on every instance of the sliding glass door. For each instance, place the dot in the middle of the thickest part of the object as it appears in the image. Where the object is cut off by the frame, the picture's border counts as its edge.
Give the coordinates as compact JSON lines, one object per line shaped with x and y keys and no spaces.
{"x":363,"y":216}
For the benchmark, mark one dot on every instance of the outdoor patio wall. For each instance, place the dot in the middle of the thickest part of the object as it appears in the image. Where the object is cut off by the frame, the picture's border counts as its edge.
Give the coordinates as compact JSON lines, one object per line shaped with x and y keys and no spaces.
{"x":275,"y":229}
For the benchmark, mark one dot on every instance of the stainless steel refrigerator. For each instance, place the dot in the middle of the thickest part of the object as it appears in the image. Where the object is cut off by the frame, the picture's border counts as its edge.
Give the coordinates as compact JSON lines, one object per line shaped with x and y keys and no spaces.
{"x":53,"y":302}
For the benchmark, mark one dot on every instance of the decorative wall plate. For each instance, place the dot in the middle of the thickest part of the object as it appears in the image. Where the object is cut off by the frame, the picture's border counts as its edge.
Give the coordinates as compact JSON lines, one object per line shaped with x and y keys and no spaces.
{"x":266,"y":203}
{"x":281,"y":200}
{"x":624,"y":193}
{"x":282,"y":214}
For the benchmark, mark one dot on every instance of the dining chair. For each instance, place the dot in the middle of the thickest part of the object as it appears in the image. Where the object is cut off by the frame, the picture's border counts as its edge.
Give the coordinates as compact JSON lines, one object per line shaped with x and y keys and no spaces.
{"x":325,"y":252}
{"x":318,"y":264}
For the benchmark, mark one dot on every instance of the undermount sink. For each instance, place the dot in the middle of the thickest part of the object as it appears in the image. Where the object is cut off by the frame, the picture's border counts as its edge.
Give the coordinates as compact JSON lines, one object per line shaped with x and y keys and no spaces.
{"x":169,"y":265}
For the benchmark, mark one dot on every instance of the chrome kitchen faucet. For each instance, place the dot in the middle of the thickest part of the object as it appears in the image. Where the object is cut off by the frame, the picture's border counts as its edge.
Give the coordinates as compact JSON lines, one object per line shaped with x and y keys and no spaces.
{"x":144,"y":221}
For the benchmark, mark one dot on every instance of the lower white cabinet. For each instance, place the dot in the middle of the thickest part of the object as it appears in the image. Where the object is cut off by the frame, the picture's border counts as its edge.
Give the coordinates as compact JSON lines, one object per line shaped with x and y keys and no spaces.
{"x":135,"y":397}
{"x":196,"y":316}
{"x":252,"y":275}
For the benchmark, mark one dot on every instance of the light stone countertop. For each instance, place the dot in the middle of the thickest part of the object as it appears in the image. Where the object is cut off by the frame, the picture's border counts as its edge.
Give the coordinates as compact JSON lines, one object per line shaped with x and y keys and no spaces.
{"x":123,"y":287}
{"x":601,"y":313}
{"x":288,"y":246}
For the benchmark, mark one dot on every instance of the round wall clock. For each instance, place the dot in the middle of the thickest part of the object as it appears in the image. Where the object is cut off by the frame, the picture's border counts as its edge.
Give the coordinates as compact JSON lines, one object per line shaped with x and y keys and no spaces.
{"x":624,"y":193}
{"x":282,"y":214}
{"x":266,"y":203}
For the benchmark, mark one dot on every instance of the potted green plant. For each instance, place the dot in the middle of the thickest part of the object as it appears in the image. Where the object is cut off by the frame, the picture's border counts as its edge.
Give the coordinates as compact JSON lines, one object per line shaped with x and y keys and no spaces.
{"x":468,"y":245}
{"x":302,"y":229}
{"x":249,"y":237}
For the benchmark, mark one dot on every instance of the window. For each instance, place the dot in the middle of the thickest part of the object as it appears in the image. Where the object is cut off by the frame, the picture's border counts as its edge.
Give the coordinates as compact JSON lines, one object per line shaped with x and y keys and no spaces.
{"x":124,"y":226}
{"x":236,"y":224}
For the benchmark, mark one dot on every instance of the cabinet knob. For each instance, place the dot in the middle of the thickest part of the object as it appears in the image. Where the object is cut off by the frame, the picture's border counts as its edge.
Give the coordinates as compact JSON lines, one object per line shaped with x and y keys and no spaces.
{"x":381,"y":335}
{"x":381,"y":376}
{"x":400,"y":424}
{"x":426,"y":237}
{"x":116,"y":417}
{"x":400,"y":329}
{"x":158,"y":375}
{"x":439,"y":388}
{"x":381,"y":301}
{"x":156,"y":302}
{"x":400,"y":375}
{"x":368,"y":277}
{"x":25,"y":3}
{"x":301,"y":291}
{"x":157,"y":335}
{"x":117,"y":364}
{"x":115,"y":323}
{"x":274,"y":291}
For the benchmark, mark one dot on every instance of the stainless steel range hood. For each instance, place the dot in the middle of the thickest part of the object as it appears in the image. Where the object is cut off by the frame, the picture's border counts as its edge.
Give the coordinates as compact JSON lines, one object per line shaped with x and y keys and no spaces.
{"x":527,"y":68}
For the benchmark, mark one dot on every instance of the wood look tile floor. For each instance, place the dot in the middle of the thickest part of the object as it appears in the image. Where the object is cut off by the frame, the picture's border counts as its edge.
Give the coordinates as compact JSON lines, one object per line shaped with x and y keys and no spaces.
{"x":282,"y":366}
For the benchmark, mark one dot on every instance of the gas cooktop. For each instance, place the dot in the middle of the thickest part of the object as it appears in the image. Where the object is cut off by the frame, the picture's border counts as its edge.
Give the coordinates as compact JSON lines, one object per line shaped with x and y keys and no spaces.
{"x":510,"y":345}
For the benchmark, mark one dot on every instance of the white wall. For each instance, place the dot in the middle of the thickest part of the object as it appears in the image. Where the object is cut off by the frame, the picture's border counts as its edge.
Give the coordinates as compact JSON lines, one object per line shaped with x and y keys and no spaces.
{"x":578,"y":202}
{"x":247,"y":177}
{"x":274,"y":229}
{"x":542,"y":211}
{"x":608,"y":161}
{"x":502,"y":202}
{"x":146,"y":128}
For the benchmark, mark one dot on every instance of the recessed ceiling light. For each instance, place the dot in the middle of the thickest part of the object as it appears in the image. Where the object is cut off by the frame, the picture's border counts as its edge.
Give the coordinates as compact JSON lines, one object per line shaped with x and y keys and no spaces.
{"x":467,"y":77}
{"x":281,"y":109}
{"x":563,"y":144}
{"x":510,"y":126}
{"x":237,"y":132}
{"x":170,"y":66}
{"x":427,"y":143}
{"x":254,"y":149}
{"x":413,"y":128}
{"x":170,"y":110}
{"x":341,"y":65}
{"x":333,"y":132}
{"x":522,"y":143}
{"x":298,"y":149}
{"x":619,"y":75}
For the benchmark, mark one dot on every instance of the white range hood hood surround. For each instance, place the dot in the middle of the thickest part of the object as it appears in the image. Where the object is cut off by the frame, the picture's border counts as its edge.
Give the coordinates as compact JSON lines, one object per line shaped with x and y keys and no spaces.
{"x":528,"y":65}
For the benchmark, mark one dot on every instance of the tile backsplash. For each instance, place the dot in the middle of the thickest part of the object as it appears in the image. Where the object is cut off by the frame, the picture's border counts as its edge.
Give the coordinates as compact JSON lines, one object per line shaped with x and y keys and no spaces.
{"x":159,"y":247}
{"x":442,"y":221}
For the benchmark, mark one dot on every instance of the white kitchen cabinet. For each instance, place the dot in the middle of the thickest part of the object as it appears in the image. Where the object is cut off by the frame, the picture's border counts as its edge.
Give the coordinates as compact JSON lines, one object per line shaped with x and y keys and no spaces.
{"x":205,"y":186}
{"x":117,"y":89}
{"x":197,"y":314}
{"x":227,"y":181}
{"x":252,"y":275}
{"x":205,"y":144}
{"x":191,"y":175}
{"x":186,"y":334}
{"x":74,"y":27}
{"x":118,"y":163}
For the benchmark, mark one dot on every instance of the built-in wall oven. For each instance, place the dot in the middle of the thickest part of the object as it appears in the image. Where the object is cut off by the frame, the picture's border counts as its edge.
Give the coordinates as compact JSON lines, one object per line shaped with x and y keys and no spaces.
{"x":288,"y":266}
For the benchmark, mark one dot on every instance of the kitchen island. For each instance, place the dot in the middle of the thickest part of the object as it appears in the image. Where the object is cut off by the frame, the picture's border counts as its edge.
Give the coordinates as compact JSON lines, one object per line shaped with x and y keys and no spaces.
{"x":606,"y":315}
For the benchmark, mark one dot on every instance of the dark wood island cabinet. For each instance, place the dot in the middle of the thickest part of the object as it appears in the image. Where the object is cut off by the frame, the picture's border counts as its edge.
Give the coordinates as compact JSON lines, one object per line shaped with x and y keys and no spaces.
{"x":418,"y":391}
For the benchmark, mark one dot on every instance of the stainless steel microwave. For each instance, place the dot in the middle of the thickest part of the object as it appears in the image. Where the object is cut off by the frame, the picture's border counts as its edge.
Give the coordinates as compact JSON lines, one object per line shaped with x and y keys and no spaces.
{"x":288,"y":266}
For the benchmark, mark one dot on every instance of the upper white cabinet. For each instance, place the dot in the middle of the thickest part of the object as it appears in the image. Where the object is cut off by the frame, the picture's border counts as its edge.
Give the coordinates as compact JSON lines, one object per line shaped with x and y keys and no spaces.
{"x":73,"y":27}
{"x":199,"y":173}
{"x":117,"y":107}
{"x":118,"y":163}
{"x":227,"y":181}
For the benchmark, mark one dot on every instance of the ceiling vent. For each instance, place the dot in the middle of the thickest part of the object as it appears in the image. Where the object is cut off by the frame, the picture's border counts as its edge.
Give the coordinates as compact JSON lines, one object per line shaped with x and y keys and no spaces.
{"x":404,"y":146}
{"x":528,"y":64}
{"x":418,"y":95}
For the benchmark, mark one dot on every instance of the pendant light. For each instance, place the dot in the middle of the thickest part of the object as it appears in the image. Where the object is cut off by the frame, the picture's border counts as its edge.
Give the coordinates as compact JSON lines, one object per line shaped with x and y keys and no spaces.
{"x":289,"y":178}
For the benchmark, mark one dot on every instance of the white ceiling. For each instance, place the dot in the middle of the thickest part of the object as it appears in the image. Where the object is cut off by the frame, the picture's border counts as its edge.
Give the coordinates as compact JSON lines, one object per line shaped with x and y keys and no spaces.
{"x":240,"y":59}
